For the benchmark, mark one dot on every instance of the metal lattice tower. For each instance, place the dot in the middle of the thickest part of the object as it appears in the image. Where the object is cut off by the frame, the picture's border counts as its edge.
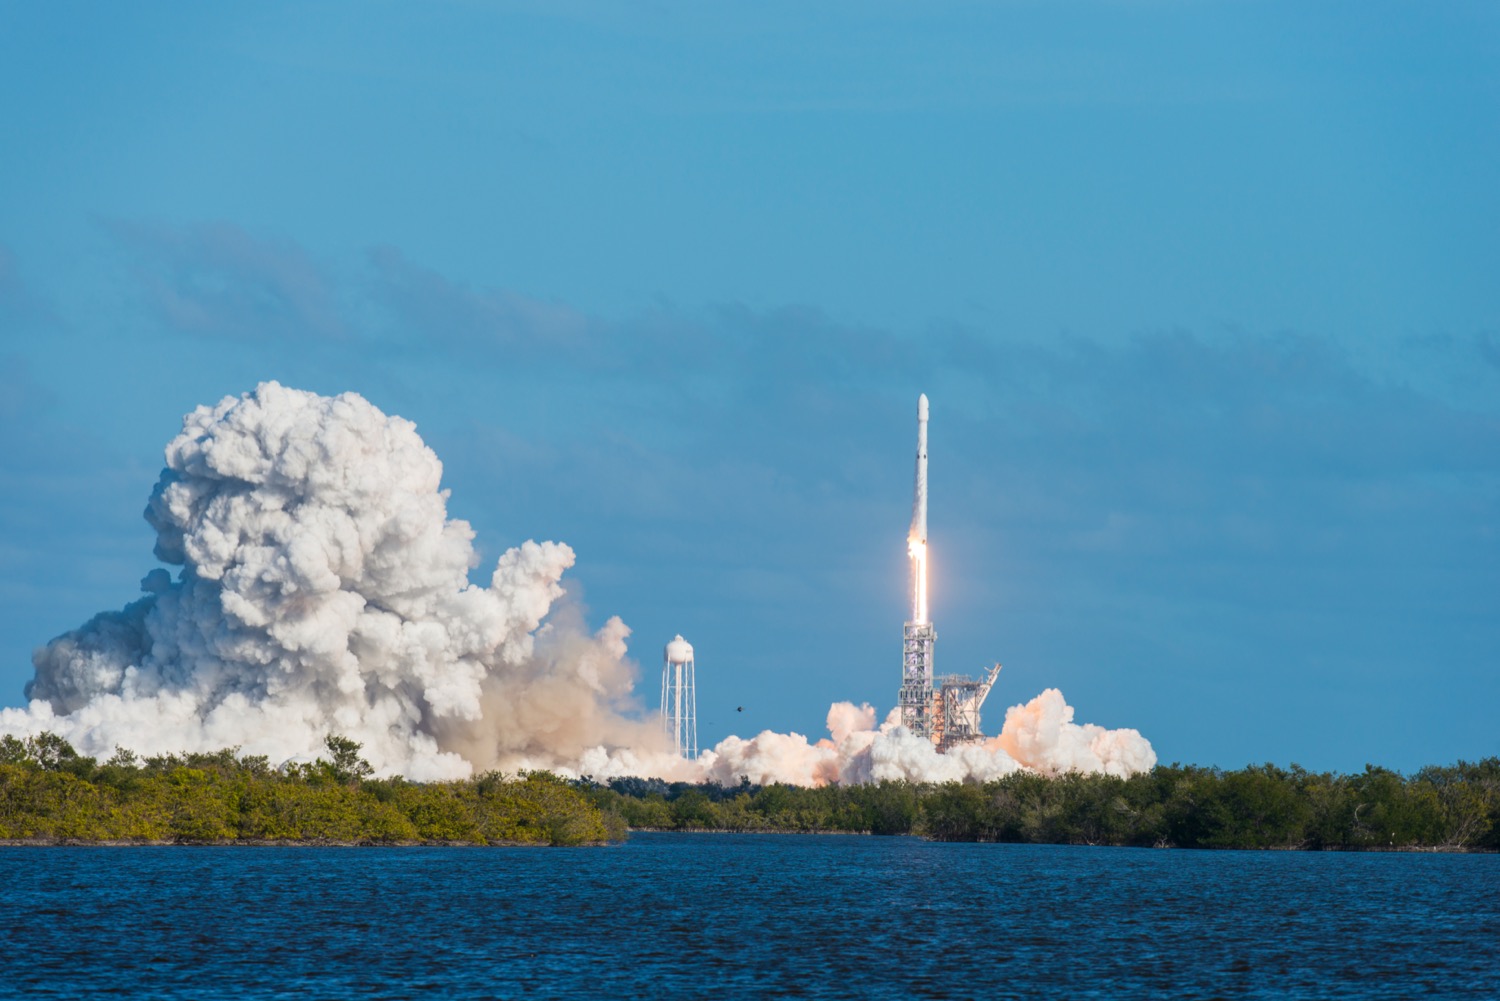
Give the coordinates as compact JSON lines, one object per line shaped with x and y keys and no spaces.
{"x":916,"y":678}
{"x":679,"y":709}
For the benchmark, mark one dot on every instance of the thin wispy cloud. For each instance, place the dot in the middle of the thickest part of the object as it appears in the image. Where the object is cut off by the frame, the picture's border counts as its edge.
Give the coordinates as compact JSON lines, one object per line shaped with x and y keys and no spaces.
{"x":428,"y":307}
{"x":216,"y":279}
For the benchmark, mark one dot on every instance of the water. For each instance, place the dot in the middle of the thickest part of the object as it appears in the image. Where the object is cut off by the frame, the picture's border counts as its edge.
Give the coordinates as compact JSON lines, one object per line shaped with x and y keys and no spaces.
{"x":746,"y":916}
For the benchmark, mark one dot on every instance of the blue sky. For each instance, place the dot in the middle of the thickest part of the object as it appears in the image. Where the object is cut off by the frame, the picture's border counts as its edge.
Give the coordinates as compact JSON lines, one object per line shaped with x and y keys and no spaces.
{"x":1203,"y":294}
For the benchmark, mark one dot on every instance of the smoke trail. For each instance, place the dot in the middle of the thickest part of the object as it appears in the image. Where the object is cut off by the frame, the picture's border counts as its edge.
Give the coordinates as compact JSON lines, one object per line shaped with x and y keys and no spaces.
{"x":324,"y":589}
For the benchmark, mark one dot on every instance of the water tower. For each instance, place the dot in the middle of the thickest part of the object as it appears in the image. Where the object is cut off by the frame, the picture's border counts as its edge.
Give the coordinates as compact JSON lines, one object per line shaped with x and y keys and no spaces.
{"x":679,"y":712}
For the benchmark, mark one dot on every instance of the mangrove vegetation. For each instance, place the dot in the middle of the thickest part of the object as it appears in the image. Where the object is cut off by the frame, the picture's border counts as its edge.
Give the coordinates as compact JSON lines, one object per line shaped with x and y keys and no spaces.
{"x":50,"y":794}
{"x":1455,"y":808}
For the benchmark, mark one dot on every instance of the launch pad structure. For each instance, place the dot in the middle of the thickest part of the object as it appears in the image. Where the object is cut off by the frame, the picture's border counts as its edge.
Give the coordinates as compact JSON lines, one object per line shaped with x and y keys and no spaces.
{"x":956,"y":708}
{"x":948,"y":714}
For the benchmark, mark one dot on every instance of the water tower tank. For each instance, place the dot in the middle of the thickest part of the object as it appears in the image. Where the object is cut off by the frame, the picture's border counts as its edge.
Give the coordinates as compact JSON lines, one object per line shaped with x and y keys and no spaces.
{"x":679,"y":711}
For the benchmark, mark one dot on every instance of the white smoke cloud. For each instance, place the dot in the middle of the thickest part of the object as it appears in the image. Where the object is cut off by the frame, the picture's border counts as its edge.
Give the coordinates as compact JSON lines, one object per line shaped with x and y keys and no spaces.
{"x":324,"y":590}
{"x":1039,"y":736}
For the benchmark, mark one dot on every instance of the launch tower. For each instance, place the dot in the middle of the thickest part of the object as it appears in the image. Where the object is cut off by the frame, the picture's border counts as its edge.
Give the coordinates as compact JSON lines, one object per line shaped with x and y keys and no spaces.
{"x":947,"y":714}
{"x":918,"y":635}
{"x":679,"y":710}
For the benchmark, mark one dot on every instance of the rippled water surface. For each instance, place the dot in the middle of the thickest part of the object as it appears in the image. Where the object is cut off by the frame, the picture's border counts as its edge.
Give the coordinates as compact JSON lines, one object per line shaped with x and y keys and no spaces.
{"x":746,"y":916}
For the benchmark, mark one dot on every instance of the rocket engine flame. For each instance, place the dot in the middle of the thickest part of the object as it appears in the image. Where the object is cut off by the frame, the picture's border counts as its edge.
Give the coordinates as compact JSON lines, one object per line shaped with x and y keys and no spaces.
{"x":918,"y":551}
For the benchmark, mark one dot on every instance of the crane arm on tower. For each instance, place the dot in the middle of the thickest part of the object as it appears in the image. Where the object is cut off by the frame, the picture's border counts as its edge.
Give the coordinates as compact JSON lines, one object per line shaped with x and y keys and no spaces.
{"x":985,"y":686}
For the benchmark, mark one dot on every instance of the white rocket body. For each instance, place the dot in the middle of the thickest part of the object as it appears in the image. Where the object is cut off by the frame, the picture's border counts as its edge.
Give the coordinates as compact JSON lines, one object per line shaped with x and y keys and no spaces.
{"x":919,"y":502}
{"x":917,"y":541}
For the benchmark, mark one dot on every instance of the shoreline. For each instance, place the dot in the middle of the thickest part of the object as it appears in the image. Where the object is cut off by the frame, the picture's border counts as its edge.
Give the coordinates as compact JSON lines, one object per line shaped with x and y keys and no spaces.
{"x":56,"y":842}
{"x":51,"y":842}
{"x":1388,"y":849}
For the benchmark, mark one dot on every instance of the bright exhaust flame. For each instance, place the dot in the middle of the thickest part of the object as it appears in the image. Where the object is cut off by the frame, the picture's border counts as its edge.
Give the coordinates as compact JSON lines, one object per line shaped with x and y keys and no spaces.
{"x":918,"y":550}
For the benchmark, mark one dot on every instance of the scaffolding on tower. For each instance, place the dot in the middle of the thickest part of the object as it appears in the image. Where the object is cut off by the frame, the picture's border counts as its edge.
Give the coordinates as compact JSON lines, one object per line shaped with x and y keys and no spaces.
{"x":916,"y":697}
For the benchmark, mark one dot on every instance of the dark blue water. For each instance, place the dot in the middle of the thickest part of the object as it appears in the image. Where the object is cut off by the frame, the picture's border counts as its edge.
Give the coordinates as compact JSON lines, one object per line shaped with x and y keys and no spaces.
{"x":746,"y":916}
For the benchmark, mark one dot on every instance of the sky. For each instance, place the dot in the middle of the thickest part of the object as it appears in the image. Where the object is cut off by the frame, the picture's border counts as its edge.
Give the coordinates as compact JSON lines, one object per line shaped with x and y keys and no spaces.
{"x":1203,"y":294}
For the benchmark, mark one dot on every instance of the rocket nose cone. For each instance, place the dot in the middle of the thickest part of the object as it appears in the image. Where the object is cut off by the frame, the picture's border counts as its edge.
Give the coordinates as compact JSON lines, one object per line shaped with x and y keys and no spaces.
{"x":922,"y":407}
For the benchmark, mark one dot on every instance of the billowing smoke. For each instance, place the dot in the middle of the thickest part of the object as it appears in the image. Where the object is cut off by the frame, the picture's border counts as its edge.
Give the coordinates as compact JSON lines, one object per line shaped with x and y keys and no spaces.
{"x":324,"y":590}
{"x":1040,"y":736}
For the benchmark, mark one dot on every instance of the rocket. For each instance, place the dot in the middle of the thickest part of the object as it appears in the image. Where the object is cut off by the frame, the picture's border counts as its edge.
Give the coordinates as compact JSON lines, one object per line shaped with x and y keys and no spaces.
{"x":919,"y":500}
{"x":917,"y":698}
{"x":916,"y":542}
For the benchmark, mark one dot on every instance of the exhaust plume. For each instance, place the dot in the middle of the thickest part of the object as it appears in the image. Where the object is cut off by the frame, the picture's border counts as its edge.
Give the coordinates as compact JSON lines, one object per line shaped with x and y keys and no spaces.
{"x":323,"y":589}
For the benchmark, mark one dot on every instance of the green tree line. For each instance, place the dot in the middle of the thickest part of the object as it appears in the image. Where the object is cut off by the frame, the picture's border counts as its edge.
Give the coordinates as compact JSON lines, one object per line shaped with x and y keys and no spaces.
{"x":49,"y":792}
{"x":1456,"y":807}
